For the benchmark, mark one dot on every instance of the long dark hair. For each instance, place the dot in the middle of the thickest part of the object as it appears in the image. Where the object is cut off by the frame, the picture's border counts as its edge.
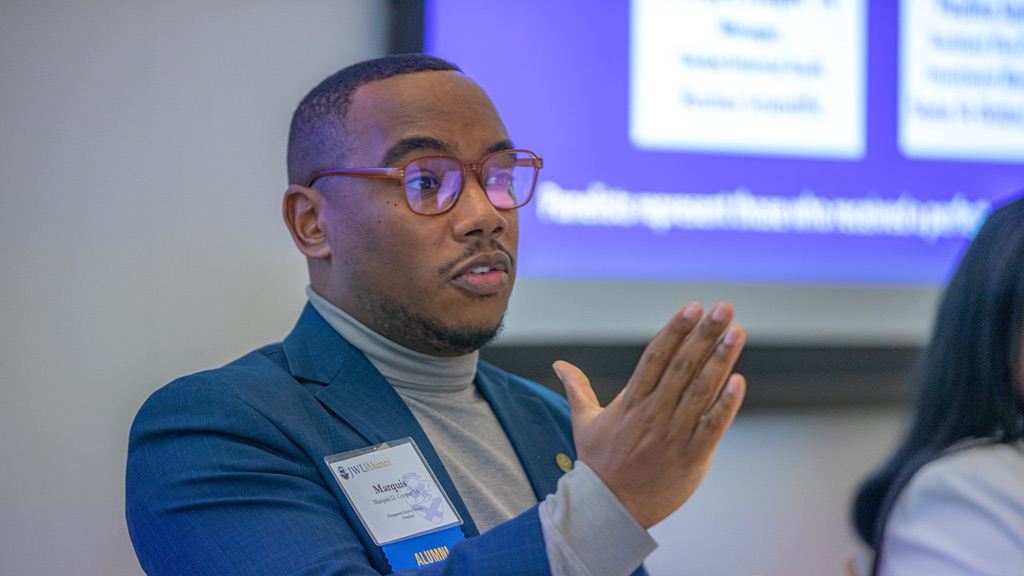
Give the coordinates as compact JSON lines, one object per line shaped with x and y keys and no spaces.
{"x":969,"y":378}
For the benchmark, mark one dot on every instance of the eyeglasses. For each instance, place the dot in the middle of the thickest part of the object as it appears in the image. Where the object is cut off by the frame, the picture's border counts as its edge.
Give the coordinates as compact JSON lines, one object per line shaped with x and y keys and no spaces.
{"x":433,"y":183}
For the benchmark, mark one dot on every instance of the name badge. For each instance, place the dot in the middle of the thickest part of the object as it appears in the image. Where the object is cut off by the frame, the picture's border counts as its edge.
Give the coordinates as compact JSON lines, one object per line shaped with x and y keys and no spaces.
{"x":399,"y":501}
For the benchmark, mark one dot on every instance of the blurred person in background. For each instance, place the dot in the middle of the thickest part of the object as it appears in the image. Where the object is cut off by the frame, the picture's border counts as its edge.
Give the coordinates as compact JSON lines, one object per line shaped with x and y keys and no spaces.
{"x":950,"y":500}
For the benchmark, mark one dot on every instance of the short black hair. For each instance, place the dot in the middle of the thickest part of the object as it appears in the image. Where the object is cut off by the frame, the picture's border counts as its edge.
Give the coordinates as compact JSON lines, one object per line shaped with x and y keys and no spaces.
{"x":316,"y":137}
{"x":969,"y":378}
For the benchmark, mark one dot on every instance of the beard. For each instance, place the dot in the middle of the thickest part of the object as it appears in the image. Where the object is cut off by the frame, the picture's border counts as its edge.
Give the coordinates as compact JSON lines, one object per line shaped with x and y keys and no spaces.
{"x":430,"y":335}
{"x":394,"y":321}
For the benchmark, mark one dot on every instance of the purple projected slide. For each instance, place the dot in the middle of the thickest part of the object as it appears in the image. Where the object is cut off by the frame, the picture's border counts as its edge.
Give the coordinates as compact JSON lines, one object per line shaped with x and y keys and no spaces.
{"x":751,"y":141}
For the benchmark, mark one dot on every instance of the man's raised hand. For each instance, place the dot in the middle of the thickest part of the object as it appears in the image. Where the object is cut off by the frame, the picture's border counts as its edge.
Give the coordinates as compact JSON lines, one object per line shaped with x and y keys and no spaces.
{"x":653,"y":444}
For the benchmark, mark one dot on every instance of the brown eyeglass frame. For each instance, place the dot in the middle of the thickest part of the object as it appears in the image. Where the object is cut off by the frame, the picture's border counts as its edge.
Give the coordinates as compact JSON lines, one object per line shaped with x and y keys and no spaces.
{"x":475,"y":168}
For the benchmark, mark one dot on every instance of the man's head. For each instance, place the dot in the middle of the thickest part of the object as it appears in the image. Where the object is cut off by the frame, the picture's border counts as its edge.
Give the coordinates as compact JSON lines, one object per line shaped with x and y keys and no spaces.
{"x":317,"y":137}
{"x":437,"y":284}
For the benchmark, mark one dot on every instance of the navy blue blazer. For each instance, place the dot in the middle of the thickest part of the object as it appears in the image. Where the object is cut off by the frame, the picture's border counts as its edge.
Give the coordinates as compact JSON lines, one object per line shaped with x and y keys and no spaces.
{"x":226,"y":471}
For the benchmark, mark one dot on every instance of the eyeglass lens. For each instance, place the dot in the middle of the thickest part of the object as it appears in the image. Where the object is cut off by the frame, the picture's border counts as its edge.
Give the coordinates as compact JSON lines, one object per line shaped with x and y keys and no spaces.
{"x":433,"y":183}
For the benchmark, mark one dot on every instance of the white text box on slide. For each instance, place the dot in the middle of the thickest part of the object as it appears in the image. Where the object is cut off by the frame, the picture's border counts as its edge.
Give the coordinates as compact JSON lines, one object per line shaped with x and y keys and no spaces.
{"x":749,"y":76}
{"x":962,"y":80}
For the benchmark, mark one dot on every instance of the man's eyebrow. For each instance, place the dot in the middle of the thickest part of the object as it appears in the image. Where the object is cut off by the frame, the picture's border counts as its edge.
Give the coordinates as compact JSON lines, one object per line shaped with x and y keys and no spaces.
{"x":499,"y":146}
{"x":400,"y":149}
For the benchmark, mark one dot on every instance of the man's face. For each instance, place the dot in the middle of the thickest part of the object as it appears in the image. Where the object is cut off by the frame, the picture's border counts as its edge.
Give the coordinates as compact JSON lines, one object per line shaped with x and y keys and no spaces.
{"x":436,"y":284}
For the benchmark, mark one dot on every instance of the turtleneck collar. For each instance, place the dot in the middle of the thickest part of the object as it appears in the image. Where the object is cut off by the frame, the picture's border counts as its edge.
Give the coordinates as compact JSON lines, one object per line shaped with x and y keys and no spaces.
{"x":402,"y":367}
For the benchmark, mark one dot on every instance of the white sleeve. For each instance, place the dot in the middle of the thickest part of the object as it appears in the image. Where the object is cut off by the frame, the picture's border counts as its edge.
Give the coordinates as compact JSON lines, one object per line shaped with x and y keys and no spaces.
{"x":588,"y":532}
{"x":962,"y":514}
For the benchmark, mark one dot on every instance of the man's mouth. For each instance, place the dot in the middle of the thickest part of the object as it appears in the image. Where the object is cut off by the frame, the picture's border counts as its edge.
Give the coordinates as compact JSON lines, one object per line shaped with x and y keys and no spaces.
{"x":484,"y":275}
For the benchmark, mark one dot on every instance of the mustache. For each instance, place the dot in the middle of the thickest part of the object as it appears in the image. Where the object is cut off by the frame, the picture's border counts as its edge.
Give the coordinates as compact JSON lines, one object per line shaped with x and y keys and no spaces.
{"x":472,"y":251}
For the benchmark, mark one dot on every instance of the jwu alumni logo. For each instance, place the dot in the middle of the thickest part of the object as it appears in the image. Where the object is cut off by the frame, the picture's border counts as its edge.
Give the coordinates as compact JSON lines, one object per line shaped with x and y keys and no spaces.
{"x":356,"y":469}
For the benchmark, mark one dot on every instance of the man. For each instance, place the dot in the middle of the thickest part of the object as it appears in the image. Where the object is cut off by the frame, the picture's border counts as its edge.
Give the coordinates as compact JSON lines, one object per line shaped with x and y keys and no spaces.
{"x":403,"y":197}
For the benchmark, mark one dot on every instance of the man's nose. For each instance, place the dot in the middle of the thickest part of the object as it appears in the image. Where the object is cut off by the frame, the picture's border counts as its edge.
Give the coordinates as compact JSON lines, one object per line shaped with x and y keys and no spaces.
{"x":474,"y":215}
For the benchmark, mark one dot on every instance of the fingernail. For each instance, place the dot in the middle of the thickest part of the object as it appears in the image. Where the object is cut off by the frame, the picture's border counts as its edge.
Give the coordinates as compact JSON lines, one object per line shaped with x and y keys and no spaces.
{"x":732,"y":385}
{"x":718,"y":313}
{"x":558,"y":372}
{"x":731,"y":335}
{"x":691,"y":311}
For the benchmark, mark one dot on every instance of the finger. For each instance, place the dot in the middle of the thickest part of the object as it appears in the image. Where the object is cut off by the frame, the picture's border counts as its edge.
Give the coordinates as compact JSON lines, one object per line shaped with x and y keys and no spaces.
{"x":707,"y":384}
{"x":583,"y":404}
{"x":717,"y":419}
{"x":691,"y":356}
{"x":658,"y":353}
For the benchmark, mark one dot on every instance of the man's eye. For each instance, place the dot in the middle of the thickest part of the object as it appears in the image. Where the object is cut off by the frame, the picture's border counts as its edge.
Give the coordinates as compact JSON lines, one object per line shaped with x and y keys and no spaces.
{"x":499,"y":179}
{"x":422,"y":182}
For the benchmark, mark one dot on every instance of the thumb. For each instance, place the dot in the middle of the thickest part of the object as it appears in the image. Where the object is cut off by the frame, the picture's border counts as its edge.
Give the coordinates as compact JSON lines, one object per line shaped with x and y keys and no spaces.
{"x":582,"y":400}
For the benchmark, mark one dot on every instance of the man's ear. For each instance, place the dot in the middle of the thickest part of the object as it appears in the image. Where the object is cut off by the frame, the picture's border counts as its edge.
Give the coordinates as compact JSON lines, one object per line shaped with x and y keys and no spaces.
{"x":301,"y":212}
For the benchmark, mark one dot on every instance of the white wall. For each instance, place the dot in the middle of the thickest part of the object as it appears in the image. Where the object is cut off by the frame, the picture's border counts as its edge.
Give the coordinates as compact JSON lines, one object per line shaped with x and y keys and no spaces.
{"x":141,"y":170}
{"x":142,"y":151}
{"x":777,"y":499}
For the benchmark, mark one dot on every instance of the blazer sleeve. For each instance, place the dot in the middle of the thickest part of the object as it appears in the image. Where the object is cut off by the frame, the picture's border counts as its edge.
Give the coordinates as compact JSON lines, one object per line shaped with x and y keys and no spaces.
{"x":962,"y":514}
{"x":216,"y":486}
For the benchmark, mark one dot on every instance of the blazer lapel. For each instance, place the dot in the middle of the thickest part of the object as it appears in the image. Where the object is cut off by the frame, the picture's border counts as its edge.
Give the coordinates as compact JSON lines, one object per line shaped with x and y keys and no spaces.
{"x":357,"y":393}
{"x":530,"y":428}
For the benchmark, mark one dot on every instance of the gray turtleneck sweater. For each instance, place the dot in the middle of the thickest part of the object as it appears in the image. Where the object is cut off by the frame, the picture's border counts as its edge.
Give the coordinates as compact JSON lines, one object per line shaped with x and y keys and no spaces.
{"x":586,"y":530}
